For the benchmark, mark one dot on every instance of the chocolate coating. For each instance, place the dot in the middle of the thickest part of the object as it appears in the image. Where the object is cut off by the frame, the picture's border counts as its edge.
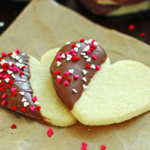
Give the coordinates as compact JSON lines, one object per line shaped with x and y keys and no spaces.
{"x":22,"y":84}
{"x":65,"y":93}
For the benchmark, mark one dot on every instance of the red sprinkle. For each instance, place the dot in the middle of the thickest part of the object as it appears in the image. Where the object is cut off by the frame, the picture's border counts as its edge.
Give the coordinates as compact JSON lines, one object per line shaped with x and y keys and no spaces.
{"x":82,"y":40}
{"x":13,"y":126}
{"x":38,"y":108}
{"x":131,"y":27}
{"x":13,"y":65}
{"x":5,"y":69}
{"x":87,"y":66}
{"x":64,"y":76}
{"x":14,"y":94}
{"x":21,"y":73}
{"x":74,"y":58}
{"x":142,"y":34}
{"x":5,"y":65}
{"x":57,"y":72}
{"x":92,"y":49}
{"x":69,"y":79}
{"x":94,"y":46}
{"x":10,"y":54}
{"x":74,"y":45}
{"x":23,"y":109}
{"x":23,"y":67}
{"x":11,"y":81}
{"x":8,"y":86}
{"x":2,"y":89}
{"x":2,"y":83}
{"x":14,"y":107}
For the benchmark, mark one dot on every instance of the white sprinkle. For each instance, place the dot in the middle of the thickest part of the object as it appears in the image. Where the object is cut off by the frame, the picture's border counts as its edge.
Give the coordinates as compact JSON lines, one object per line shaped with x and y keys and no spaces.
{"x":7,"y":80}
{"x":89,"y":59}
{"x":36,"y":103}
{"x":3,"y":61}
{"x":71,"y":71}
{"x":86,"y":42}
{"x":24,"y":100}
{"x":68,"y":58}
{"x":26,"y":104}
{"x":58,"y":63}
{"x":21,"y":93}
{"x":95,"y":43}
{"x":63,"y":55}
{"x":0,"y":81}
{"x":84,"y":72}
{"x":76,"y":49}
{"x":85,"y":49}
{"x":20,"y":60}
{"x":74,"y":90}
{"x":10,"y":63}
{"x":89,"y":41}
{"x":84,"y":79}
{"x":86,"y":56}
{"x":9,"y":72}
{"x":2,"y":24}
{"x":93,"y":66}
{"x":83,"y":54}
{"x":78,"y":45}
{"x":59,"y":76}
{"x":67,"y":43}
{"x":13,"y":76}
{"x":84,"y":86}
{"x":1,"y":70}
{"x":17,"y":57}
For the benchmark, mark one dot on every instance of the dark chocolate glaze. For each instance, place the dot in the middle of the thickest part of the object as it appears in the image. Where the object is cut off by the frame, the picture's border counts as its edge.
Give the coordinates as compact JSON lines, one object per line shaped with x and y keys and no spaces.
{"x":65,"y":93}
{"x":22,"y":84}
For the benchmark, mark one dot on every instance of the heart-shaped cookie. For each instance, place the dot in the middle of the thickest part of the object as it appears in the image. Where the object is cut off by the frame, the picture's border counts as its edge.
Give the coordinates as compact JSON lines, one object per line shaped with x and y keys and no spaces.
{"x":114,"y":94}
{"x":26,"y":88}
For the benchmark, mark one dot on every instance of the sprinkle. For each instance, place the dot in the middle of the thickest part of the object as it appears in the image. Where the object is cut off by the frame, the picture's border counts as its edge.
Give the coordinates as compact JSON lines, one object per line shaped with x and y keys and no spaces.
{"x":32,"y":108}
{"x":11,"y":81}
{"x":58,"y":63}
{"x":142,"y":34}
{"x":87,"y":66}
{"x":59,"y":53}
{"x":8,"y":86}
{"x":20,"y":60}
{"x":7,"y":80}
{"x":84,"y":86}
{"x":94,"y":56}
{"x":84,"y":79}
{"x":75,"y":58}
{"x":64,"y":76}
{"x":11,"y":68}
{"x":25,"y":104}
{"x":50,"y":132}
{"x":86,"y":48}
{"x":23,"y":109}
{"x":21,"y":93}
{"x":66,"y":83}
{"x":6,"y":76}
{"x":94,"y":46}
{"x":67,"y":43}
{"x":92,"y":49}
{"x":3,"y":102}
{"x":9,"y":72}
{"x":13,"y":126}
{"x":85,"y":41}
{"x":14,"y":94}
{"x":34,"y":98}
{"x":58,"y":57}
{"x":2,"y":89}
{"x":36,"y":103}
{"x":1,"y":70}
{"x":59,"y":76}
{"x":23,"y":67}
{"x":76,"y":76}
{"x":17,"y":57}
{"x":69,"y":79}
{"x":98,"y":67}
{"x":74,"y":45}
{"x":88,"y":52}
{"x":131,"y":27}
{"x":1,"y":76}
{"x":68,"y":58}
{"x":63,"y":55}
{"x":21,"y":73}
{"x":2,"y":24}
{"x":3,"y":54}
{"x":38,"y":108}
{"x":67,"y":53}
{"x":17,"y":51}
{"x":74,"y":90}
{"x":72,"y":51}
{"x":57,"y":72}
{"x":59,"y":80}
{"x":14,"y":107}
{"x":89,"y":59}
{"x":76,"y":49}
{"x":24,"y":100}
{"x":2,"y":83}
{"x":82,"y":40}
{"x":103,"y":147}
{"x":84,"y":145}
{"x":90,"y":40}
{"x":78,"y":45}
{"x":10,"y":63}
{"x":71,"y":71}
{"x":4,"y":95}
{"x":84,"y":72}
{"x":83,"y":54}
{"x":67,"y":73}
{"x":93,"y":66}
{"x":73,"y":54}
{"x":13,"y":76}
{"x":86,"y":56}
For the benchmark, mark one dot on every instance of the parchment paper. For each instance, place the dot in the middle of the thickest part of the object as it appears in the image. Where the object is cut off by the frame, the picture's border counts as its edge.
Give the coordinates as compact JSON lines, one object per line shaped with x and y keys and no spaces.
{"x":43,"y":25}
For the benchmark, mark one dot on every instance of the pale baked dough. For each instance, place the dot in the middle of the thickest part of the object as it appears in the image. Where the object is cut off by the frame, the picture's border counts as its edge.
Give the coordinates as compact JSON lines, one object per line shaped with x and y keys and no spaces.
{"x":51,"y":107}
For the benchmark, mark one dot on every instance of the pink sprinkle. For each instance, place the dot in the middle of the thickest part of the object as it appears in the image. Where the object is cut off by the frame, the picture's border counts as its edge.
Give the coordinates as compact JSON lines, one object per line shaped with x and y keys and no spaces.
{"x":58,"y":57}
{"x":32,"y":108}
{"x":94,"y":56}
{"x":34,"y":98}
{"x":3,"y":54}
{"x":92,"y":45}
{"x":1,"y":76}
{"x":87,"y":44}
{"x":59,"y":53}
{"x":16,"y":69}
{"x":50,"y":132}
{"x":73,"y":54}
{"x":93,"y":40}
{"x":67,"y":53}
{"x":82,"y":40}
{"x":76,"y":76}
{"x":72,"y":50}
{"x":83,"y":143}
{"x":67,"y":73}
{"x":5,"y":76}
{"x":13,"y":89}
{"x":98,"y":67}
{"x":17,"y":51}
{"x":3,"y":102}
{"x":4,"y":95}
{"x":66,"y":83}
{"x":88,"y":52}
{"x":59,"y":80}
{"x":103,"y":147}
{"x":11,"y":68}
